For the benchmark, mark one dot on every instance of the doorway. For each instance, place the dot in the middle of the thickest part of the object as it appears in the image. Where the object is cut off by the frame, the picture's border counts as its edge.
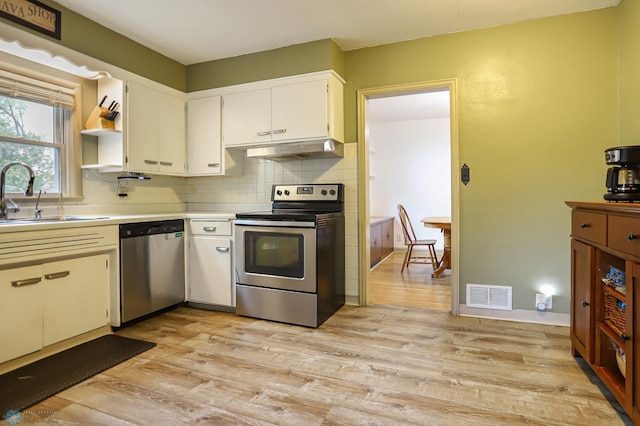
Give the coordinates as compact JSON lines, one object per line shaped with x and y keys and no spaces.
{"x":368,"y":161}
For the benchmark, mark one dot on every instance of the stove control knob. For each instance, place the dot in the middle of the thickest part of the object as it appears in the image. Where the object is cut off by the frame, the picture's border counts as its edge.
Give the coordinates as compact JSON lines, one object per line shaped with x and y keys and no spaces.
{"x":286,"y":192}
{"x":332,"y":192}
{"x":323,"y":192}
{"x":279,"y":192}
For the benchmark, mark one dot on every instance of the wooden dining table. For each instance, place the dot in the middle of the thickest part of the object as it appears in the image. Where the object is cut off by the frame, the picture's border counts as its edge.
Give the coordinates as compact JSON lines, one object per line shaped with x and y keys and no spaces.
{"x":443,"y":223}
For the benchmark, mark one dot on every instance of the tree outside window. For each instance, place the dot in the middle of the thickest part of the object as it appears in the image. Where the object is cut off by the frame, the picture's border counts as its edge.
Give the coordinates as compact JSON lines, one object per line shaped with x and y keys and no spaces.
{"x":29,"y":134}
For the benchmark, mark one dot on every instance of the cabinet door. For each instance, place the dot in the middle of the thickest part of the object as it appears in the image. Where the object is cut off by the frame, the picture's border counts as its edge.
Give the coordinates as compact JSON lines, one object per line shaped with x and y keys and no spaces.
{"x":142,"y":128}
{"x":171,"y":135}
{"x":300,"y":111}
{"x":76,"y":297}
{"x":246,"y":117}
{"x":203,"y":136}
{"x":387,"y":238}
{"x":20,"y":311}
{"x":583,"y":273}
{"x":633,"y":299}
{"x":210,"y":265}
{"x":376,"y":243}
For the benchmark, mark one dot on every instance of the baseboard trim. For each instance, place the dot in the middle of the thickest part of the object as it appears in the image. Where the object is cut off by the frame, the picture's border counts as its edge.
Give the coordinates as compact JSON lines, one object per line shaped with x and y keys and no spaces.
{"x":518,"y":315}
{"x":352,"y":300}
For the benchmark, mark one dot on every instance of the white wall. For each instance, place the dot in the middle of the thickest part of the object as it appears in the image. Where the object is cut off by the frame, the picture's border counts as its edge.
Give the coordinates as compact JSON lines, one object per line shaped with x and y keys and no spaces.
{"x":410,"y":164}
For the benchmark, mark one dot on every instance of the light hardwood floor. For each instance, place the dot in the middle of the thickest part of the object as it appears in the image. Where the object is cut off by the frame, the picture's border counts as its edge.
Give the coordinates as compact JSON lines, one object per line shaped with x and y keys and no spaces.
{"x":376,"y":365}
{"x":412,"y":288}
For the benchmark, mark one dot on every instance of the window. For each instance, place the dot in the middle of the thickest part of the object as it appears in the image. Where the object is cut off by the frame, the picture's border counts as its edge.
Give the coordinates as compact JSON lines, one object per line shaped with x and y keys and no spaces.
{"x":35,"y":128}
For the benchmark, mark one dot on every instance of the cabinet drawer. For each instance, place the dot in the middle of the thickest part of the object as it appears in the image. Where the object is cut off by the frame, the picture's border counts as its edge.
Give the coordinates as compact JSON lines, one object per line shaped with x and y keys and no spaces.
{"x":624,"y":233}
{"x":209,"y":227}
{"x":590,"y":226}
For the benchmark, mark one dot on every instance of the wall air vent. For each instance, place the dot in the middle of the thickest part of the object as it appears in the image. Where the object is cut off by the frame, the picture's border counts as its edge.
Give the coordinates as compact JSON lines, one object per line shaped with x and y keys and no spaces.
{"x":489,"y":297}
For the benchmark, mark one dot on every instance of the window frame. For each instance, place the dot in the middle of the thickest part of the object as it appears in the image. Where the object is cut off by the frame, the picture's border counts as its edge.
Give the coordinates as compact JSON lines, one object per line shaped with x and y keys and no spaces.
{"x":70,"y":147}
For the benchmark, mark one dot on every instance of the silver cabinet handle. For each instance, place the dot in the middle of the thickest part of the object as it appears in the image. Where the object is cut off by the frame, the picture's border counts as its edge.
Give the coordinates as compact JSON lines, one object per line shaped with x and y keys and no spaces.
{"x":28,"y":281}
{"x":209,"y":229}
{"x":150,"y":162}
{"x":56,"y":275}
{"x":279,"y":131}
{"x":166,"y":163}
{"x":264,"y":133}
{"x":222,"y":249}
{"x":213,"y":165}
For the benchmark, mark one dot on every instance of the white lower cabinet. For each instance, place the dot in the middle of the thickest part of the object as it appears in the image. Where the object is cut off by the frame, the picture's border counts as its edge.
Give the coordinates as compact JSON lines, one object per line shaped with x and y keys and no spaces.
{"x":210,"y":260}
{"x":46,"y":303}
{"x":76,"y":297}
{"x":20,"y":311}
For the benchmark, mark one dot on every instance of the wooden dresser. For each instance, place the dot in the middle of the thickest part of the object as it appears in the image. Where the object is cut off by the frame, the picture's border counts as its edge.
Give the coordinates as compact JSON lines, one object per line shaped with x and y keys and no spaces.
{"x":605,"y":303}
{"x":381,"y":238}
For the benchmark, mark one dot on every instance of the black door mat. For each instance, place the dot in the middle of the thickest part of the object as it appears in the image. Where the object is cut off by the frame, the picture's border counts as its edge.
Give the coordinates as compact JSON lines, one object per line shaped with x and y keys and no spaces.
{"x":28,"y":385}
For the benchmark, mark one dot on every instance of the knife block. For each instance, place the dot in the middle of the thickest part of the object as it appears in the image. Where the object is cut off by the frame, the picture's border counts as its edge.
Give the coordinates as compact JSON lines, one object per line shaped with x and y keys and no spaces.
{"x":97,"y":119}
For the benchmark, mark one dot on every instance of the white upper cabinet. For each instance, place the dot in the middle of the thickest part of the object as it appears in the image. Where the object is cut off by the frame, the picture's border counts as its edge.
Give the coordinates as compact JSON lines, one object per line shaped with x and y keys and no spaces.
{"x":300,"y":111}
{"x":246,"y":117}
{"x":142,"y":128}
{"x":156,"y":131}
{"x":291,"y":109}
{"x":153,"y":133}
{"x":172,"y":135}
{"x":203,"y":136}
{"x":205,"y":155}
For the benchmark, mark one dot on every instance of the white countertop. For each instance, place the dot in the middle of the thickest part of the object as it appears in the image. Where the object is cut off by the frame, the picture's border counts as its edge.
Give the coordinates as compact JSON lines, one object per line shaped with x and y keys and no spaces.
{"x":104,"y":220}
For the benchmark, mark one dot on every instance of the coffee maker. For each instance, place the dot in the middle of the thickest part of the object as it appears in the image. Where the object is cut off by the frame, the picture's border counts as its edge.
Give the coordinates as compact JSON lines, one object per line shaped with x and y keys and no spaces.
{"x":623,"y":180}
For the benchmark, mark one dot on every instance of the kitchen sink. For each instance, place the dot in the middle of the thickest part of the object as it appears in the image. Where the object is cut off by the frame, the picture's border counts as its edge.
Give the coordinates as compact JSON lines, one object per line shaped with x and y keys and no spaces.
{"x":25,"y":220}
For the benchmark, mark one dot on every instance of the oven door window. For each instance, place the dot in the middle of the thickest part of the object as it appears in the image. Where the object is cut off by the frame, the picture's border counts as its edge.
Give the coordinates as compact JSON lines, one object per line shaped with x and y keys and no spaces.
{"x":273,"y":253}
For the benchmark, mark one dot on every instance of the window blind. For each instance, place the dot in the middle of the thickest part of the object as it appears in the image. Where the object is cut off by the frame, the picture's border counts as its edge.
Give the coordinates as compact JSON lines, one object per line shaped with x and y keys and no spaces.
{"x":21,"y":87}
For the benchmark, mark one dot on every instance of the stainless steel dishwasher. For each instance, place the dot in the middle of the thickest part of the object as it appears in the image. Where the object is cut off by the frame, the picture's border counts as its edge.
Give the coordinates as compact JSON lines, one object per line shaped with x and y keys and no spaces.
{"x":151,"y":267}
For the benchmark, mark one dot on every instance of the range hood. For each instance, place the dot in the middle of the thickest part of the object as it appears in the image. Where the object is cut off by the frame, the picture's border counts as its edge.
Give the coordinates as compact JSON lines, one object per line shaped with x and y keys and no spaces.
{"x":323,"y":148}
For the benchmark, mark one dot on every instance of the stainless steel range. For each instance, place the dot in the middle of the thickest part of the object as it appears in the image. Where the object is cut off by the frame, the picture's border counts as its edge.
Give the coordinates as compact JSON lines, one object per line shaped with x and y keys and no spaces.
{"x":290,"y":260}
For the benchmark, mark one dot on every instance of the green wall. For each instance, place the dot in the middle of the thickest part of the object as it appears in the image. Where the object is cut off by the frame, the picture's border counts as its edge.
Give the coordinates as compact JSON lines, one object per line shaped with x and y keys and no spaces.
{"x":537,"y":107}
{"x":314,"y":56}
{"x":629,"y":76}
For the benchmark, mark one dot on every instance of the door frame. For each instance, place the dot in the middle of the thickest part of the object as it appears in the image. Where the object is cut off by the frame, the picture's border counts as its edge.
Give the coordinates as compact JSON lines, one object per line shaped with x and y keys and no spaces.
{"x":363,"y":96}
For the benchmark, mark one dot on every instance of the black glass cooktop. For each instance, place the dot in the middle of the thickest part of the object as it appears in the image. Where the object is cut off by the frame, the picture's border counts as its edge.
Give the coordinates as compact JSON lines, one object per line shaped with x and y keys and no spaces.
{"x":290,"y":215}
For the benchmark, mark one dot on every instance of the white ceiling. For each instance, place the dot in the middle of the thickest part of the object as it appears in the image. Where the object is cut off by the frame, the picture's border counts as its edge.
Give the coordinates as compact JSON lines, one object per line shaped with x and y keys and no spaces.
{"x":194,"y":31}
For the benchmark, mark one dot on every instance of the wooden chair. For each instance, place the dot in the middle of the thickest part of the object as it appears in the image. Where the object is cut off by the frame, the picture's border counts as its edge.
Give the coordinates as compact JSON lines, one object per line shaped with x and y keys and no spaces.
{"x":411,"y":241}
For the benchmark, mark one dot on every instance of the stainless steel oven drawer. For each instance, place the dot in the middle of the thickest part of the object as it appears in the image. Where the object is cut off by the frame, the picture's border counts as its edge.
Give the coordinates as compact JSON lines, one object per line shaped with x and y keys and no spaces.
{"x":277,"y":305}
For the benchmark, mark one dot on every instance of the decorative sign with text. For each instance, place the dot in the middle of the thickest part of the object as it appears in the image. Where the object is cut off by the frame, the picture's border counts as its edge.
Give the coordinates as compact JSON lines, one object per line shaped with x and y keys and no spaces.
{"x":32,"y":14}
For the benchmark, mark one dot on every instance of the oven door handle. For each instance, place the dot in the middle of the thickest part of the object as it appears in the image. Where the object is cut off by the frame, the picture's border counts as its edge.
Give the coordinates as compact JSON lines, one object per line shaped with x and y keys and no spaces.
{"x":275,"y":223}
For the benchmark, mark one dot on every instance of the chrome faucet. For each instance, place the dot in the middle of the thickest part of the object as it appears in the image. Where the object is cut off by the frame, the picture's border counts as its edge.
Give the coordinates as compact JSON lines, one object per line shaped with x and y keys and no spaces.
{"x":38,"y":212}
{"x":29,"y":192}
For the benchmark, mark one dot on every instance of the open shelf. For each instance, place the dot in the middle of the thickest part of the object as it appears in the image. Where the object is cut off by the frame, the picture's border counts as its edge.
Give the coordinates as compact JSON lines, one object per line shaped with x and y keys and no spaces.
{"x":101,"y":166}
{"x":608,"y":367}
{"x":100,"y":132}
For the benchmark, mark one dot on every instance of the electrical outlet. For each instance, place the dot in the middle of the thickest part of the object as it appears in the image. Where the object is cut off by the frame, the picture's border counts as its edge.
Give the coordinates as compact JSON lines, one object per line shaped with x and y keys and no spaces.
{"x":123,"y":191}
{"x":543,"y":302}
{"x":398,"y":238}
